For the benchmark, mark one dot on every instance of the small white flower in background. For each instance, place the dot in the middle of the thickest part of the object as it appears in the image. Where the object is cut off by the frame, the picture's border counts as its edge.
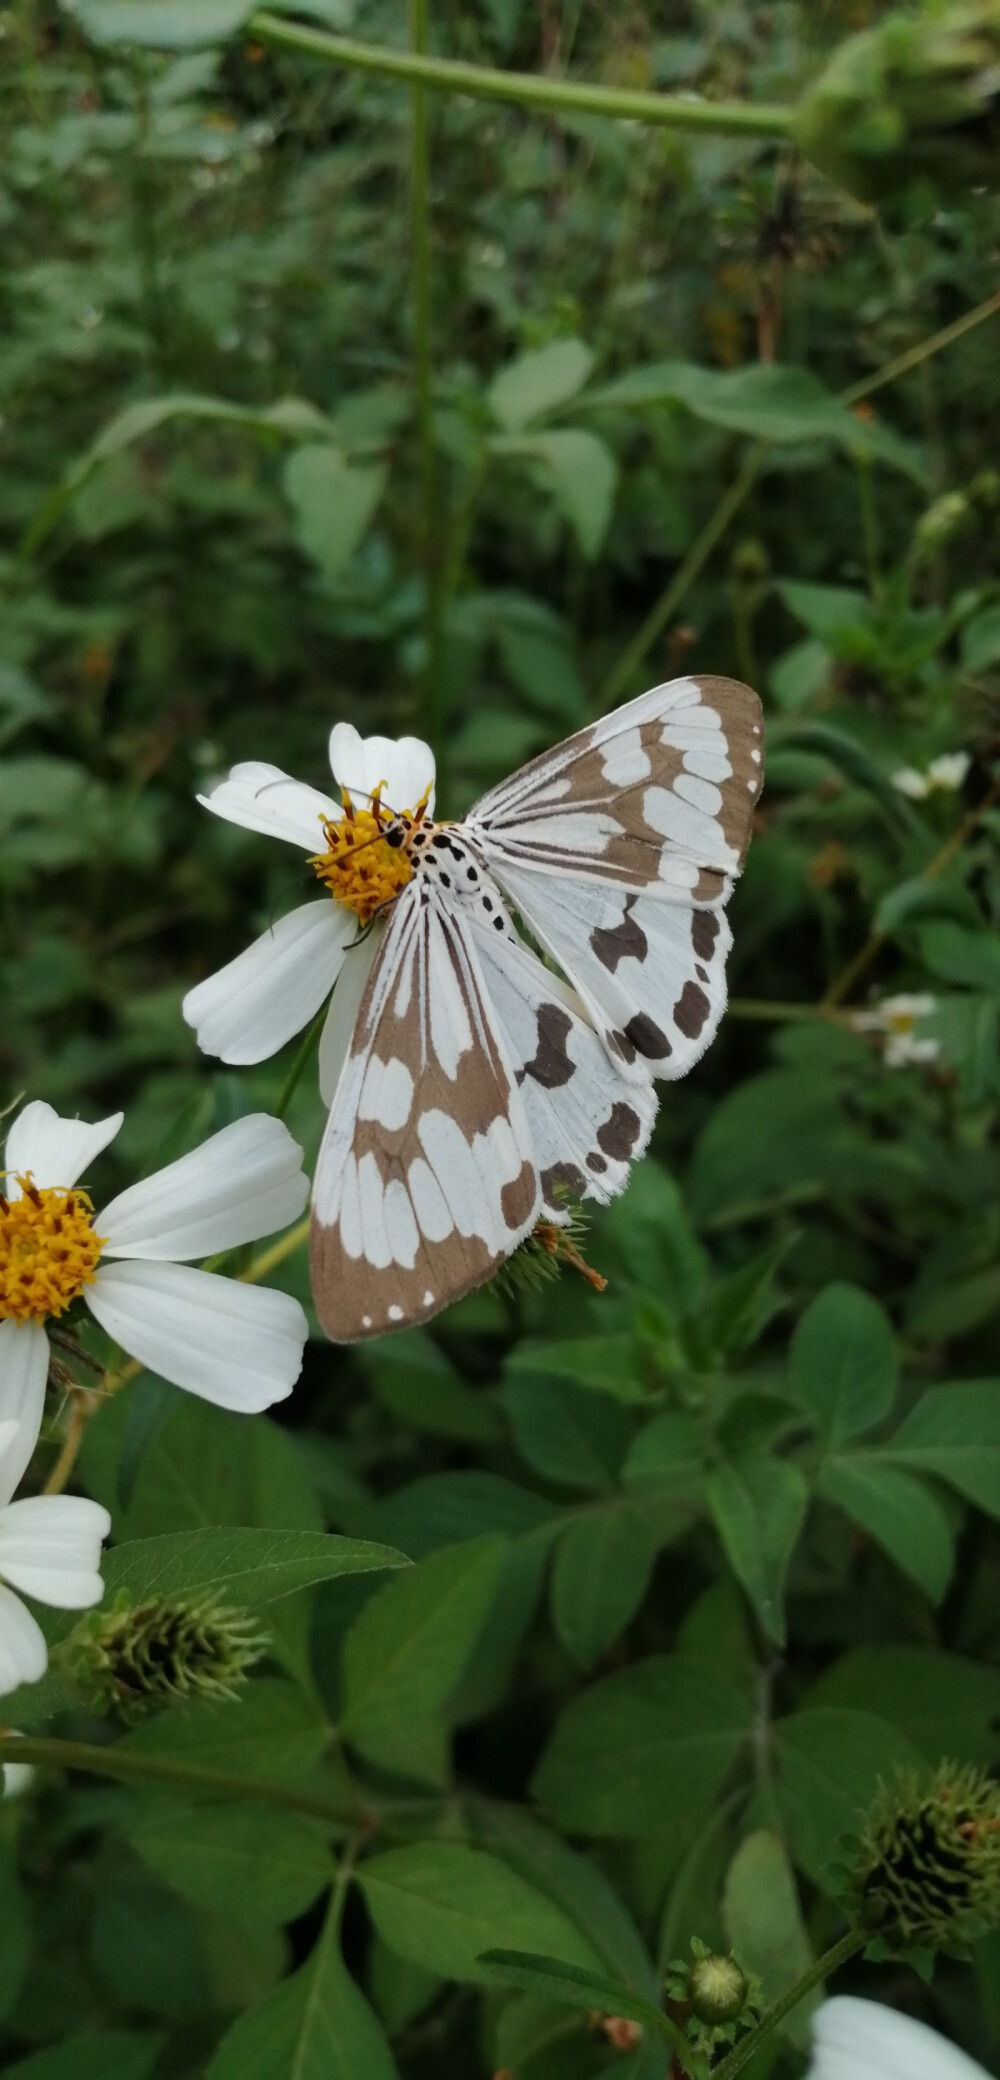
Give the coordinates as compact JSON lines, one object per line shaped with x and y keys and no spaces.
{"x":861,"y":2040}
{"x":944,"y":775}
{"x":260,"y":1000}
{"x":895,"y":1018}
{"x":50,"y":1548}
{"x":237,"y":1345}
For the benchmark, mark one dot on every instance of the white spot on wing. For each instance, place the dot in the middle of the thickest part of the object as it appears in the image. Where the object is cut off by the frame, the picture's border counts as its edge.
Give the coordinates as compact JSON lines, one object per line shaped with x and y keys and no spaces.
{"x":350,"y":1210}
{"x":666,"y":811}
{"x":623,"y":761}
{"x":400,"y":1226}
{"x":700,"y":793}
{"x":375,"y":1242}
{"x":428,"y":1200}
{"x":395,"y":1313}
{"x":387,"y":1092}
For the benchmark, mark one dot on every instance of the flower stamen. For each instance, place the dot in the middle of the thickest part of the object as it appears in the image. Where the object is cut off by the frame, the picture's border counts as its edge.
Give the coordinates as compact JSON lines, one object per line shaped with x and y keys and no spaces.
{"x":368,"y":858}
{"x":48,"y":1250}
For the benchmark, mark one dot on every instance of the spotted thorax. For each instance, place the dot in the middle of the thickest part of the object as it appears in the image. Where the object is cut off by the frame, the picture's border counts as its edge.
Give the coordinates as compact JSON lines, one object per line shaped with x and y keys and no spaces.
{"x":471,"y":1087}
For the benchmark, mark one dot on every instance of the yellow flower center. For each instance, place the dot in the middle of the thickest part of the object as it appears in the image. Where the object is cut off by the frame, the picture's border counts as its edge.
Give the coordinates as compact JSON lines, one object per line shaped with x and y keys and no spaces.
{"x":368,"y":861}
{"x":48,"y":1250}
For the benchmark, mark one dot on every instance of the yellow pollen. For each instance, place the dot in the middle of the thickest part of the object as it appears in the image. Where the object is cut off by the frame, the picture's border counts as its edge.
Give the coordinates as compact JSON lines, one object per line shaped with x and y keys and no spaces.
{"x":48,"y":1250}
{"x":359,"y":867}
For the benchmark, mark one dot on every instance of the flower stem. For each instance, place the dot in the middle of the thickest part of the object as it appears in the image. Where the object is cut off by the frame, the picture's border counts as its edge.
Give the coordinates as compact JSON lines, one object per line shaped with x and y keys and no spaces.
{"x":113,"y":1760}
{"x":81,"y":1403}
{"x":307,"y":1049}
{"x":838,"y":1954}
{"x":525,"y":89}
{"x":420,"y":246}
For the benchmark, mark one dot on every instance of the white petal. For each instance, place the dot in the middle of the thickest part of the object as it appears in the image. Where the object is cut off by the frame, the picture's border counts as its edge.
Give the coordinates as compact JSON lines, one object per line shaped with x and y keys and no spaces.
{"x":861,"y":2040}
{"x":24,"y":1656}
{"x":237,"y":1345}
{"x":342,"y":1015}
{"x":263,"y":798}
{"x":909,"y":782}
{"x":50,"y":1548}
{"x":257,"y":1002}
{"x":24,"y":1369}
{"x":242,"y":1183}
{"x":406,"y":764}
{"x":57,"y":1151}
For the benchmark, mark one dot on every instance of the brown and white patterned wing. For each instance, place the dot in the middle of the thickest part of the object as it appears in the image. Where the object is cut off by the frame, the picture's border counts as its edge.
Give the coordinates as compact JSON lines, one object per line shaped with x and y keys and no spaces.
{"x":587,"y":1127}
{"x":652,"y":974}
{"x":657,"y":797}
{"x":426,"y":1178}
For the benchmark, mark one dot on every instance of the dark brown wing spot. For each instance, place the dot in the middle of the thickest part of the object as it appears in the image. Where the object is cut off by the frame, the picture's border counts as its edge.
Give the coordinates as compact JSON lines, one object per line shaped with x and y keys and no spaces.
{"x":691,"y":1010}
{"x":621,"y":1044}
{"x":562,"y":1177}
{"x":518,"y":1197}
{"x":551,"y":1066}
{"x":620,"y":1132}
{"x":596,"y":1163}
{"x":704,"y":933}
{"x":646,"y":1037}
{"x":620,"y":942}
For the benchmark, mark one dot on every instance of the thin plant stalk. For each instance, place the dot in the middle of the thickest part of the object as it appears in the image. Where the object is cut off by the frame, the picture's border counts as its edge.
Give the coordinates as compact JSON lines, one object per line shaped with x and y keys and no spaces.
{"x":423,"y":379}
{"x":831,"y":1959}
{"x":525,"y":89}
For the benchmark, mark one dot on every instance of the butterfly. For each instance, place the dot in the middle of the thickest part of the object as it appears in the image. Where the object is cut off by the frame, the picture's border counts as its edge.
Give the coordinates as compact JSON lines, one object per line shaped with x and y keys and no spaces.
{"x":472,"y":1086}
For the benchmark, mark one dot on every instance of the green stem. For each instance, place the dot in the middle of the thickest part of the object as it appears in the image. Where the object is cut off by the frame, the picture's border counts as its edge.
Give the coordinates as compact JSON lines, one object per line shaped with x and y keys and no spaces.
{"x":619,"y":677}
{"x":115,"y":1761}
{"x":309,"y":1044}
{"x":848,"y":1946}
{"x":525,"y":89}
{"x":775,"y":1011}
{"x":420,"y":223}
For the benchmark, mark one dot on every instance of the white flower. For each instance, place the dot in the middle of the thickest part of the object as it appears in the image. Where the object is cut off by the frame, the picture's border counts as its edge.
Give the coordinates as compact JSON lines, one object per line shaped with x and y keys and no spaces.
{"x":237,"y":1345}
{"x":894,"y":1018}
{"x":944,"y":775}
{"x":260,"y":1000}
{"x":50,"y":1547}
{"x":860,"y":2040}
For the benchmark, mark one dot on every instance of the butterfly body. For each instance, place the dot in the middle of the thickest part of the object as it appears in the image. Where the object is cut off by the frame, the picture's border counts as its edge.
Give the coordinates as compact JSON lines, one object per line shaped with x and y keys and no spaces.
{"x":478,"y":1087}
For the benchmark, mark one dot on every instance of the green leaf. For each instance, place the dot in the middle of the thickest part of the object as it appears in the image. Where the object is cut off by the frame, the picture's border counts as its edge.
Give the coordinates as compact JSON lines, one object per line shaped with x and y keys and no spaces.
{"x":602,"y":1566}
{"x":945,"y":1703}
{"x":825,"y":610}
{"x":981,"y":640}
{"x":763,"y":1918}
{"x":643,"y":1748}
{"x":248,"y":1863}
{"x":962,"y":956}
{"x":414,"y":1379}
{"x":900,"y":1511}
{"x":317,"y":2026}
{"x":551,"y":1980}
{"x":572,"y":1880}
{"x":843,"y":1362}
{"x":829,"y":1767}
{"x":334,"y":501}
{"x":405,"y":1654}
{"x":276,"y":1732}
{"x":669,"y":1452}
{"x":235,"y":1565}
{"x":442,"y":1904}
{"x":857,"y":765}
{"x":291,"y":418}
{"x":582,"y":472}
{"x":96,"y":2054}
{"x":954,"y":1432}
{"x":783,"y":404}
{"x":601,"y":1364}
{"x":538,"y":382}
{"x":571,"y":1436}
{"x":759,"y":1507}
{"x":164,"y":25}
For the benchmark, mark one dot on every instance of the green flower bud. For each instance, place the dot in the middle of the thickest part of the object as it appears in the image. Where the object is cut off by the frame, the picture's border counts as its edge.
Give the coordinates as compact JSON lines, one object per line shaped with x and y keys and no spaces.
{"x":910,"y":103}
{"x":927,"y":1867}
{"x":717,"y":1989}
{"x":166,"y":1653}
{"x":941,"y":521}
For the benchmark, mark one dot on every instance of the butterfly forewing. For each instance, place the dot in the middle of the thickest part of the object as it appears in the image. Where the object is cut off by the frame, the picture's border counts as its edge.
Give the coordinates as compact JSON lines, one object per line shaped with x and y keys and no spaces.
{"x":426,"y":1178}
{"x":656,"y":798}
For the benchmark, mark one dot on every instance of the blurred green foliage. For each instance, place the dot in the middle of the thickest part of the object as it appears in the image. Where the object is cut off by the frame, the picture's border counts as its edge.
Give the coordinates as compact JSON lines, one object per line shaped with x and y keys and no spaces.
{"x":702,"y":1558}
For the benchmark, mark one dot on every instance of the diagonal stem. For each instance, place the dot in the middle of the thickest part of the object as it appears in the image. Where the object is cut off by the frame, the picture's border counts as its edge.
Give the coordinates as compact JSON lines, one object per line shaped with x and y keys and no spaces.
{"x":114,"y":1761}
{"x":736,"y":2059}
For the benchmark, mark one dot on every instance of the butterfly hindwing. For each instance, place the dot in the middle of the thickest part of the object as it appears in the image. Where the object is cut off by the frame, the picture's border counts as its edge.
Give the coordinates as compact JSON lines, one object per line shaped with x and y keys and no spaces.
{"x":652,"y":974}
{"x":586,"y":1128}
{"x":657,"y":797}
{"x":426,"y":1178}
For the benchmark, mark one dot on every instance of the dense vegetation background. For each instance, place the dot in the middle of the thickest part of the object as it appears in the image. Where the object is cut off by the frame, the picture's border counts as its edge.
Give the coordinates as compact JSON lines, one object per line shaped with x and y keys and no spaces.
{"x":699,"y":1559}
